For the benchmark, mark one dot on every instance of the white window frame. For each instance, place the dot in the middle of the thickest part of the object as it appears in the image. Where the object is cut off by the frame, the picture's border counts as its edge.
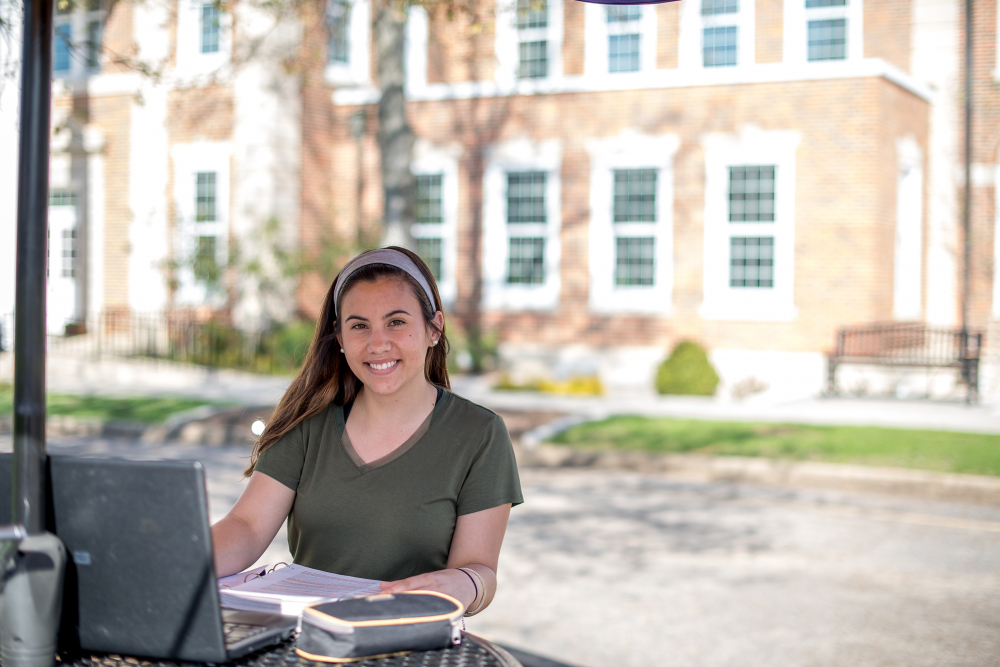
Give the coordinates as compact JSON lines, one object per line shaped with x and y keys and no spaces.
{"x":796,"y":30}
{"x":417,"y":31}
{"x":78,"y":21}
{"x":357,"y":70}
{"x":190,"y":60}
{"x":631,"y":151}
{"x":692,"y":30}
{"x":514,"y":156}
{"x":429,"y":158}
{"x":508,"y":39}
{"x":752,"y":147}
{"x":907,"y":290}
{"x":597,"y":33}
{"x":189,"y":160}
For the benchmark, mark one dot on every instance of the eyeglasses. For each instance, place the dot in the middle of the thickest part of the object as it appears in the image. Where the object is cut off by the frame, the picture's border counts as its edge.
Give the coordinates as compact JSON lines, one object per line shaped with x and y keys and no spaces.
{"x":264,"y":571}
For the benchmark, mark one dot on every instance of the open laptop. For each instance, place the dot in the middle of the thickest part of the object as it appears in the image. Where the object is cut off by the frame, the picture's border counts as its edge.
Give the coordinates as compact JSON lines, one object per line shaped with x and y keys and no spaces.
{"x":140,"y":578}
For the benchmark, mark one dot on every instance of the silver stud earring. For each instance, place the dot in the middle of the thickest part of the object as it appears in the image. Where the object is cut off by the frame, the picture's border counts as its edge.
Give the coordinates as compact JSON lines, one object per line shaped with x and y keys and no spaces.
{"x":341,"y":350}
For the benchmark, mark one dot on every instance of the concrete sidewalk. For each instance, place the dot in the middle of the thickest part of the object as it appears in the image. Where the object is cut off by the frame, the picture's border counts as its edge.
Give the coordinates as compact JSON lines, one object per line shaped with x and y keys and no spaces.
{"x":137,"y":377}
{"x":769,"y":406}
{"x":117,"y":376}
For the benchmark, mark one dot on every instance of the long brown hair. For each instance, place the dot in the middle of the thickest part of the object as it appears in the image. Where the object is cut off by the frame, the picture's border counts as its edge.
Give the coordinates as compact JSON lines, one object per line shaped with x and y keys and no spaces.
{"x":326,"y":378}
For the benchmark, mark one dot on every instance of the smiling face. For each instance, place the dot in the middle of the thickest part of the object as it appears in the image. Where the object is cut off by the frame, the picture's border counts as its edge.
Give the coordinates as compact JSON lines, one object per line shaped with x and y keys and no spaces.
{"x":384,"y":335}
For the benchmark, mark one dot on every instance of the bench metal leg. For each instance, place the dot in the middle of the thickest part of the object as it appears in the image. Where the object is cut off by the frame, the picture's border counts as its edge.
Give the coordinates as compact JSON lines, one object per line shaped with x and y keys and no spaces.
{"x":831,"y":375}
{"x":971,"y":373}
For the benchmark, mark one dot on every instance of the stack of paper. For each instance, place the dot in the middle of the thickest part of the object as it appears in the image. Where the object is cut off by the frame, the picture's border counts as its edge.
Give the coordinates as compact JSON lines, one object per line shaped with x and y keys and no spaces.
{"x":289,"y":590}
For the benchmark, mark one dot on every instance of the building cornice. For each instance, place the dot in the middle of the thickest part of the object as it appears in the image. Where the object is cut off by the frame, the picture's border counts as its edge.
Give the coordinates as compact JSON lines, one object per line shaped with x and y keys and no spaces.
{"x":659,"y":79}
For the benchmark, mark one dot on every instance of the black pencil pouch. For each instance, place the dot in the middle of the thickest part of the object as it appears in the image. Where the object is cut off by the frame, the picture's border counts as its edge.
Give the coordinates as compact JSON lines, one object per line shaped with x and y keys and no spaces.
{"x":379,"y":625}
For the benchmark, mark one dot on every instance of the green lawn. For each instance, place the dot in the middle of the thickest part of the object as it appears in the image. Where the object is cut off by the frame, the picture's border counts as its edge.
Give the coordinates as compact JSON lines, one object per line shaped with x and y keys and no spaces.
{"x":102,"y":408}
{"x":927,"y":450}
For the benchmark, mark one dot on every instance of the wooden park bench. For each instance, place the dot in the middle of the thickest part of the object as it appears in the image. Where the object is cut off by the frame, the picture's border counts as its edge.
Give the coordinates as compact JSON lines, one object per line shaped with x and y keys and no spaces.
{"x":908,"y":345}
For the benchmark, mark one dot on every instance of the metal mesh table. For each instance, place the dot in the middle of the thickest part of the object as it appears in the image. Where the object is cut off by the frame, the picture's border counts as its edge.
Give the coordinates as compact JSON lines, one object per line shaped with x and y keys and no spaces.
{"x":472,"y":652}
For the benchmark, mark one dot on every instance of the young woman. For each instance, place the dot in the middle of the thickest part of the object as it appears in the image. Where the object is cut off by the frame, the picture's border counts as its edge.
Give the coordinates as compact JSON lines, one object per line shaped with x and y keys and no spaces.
{"x":380,"y":471}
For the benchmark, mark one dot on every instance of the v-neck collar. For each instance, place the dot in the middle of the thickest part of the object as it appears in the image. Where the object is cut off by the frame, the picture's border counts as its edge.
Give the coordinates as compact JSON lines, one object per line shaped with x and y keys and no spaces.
{"x":356,"y":459}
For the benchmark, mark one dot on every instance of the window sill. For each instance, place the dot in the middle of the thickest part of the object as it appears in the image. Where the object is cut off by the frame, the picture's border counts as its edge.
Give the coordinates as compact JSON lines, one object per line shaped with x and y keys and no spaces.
{"x":521,"y":297}
{"x":747,"y":310}
{"x":344,"y":76}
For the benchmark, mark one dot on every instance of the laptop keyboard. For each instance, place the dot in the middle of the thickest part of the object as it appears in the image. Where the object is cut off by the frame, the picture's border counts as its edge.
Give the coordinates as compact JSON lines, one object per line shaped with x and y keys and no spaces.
{"x":237,"y":632}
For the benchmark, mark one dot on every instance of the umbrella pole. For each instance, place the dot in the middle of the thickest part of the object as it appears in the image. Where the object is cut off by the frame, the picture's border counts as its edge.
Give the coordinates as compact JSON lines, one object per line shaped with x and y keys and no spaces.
{"x":34,"y":561}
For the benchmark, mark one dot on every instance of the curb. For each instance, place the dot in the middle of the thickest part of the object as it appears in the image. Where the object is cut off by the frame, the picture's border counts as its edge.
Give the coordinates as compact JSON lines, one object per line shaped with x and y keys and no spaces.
{"x":185,"y":427}
{"x":980,"y":489}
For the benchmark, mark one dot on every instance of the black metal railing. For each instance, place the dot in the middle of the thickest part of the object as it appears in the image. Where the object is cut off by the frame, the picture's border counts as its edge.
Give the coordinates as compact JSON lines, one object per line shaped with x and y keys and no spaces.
{"x":909,"y":345}
{"x":183,"y":337}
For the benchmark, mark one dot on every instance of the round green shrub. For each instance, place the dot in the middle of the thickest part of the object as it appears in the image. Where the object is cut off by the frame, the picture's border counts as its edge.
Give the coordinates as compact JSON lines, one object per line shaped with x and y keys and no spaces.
{"x":687,"y":371}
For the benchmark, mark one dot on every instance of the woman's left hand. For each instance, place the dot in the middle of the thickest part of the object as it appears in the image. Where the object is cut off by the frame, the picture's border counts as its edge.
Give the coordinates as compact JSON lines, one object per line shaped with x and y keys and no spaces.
{"x":451,"y":582}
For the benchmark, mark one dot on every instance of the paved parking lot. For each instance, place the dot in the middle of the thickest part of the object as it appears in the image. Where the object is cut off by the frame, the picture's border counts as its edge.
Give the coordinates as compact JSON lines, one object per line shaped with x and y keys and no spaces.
{"x":620,"y":568}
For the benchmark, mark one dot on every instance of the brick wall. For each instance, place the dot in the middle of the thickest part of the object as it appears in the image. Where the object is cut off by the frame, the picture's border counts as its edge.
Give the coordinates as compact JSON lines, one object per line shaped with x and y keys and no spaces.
{"x":887,"y":31}
{"x":573,"y":37}
{"x":667,"y":33}
{"x":985,"y":154}
{"x":200,"y":114}
{"x":769,"y":36}
{"x":845,"y":200}
{"x":119,"y":43}
{"x":113,"y":116}
{"x":460,"y":43}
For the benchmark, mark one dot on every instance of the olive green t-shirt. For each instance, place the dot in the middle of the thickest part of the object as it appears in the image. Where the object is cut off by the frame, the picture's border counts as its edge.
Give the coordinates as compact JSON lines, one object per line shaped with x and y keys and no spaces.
{"x":395,"y":517}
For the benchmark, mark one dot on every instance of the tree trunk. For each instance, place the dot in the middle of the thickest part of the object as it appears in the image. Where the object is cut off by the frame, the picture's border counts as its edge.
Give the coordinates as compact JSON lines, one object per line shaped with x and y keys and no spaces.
{"x":395,"y":136}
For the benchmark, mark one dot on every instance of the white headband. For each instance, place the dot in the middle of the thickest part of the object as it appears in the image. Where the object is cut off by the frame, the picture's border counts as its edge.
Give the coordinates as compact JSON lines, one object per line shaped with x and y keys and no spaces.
{"x":388,"y":256}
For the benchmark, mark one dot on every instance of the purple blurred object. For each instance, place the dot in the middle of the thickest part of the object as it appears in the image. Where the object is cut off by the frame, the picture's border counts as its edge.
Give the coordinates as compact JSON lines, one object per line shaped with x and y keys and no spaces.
{"x":628,"y":2}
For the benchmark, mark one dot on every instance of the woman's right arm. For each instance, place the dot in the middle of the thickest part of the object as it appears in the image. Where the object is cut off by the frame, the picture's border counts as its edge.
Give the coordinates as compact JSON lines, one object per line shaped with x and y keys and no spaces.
{"x":241,"y":536}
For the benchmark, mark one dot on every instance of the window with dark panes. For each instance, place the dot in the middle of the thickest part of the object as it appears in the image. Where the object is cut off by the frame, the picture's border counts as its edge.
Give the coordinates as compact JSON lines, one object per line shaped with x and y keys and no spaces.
{"x":210,"y":13}
{"x":69,"y":253}
{"x":430,"y":215}
{"x":533,"y":44}
{"x":634,"y":201}
{"x":719,"y":46}
{"x":532,"y":14}
{"x":429,"y":198}
{"x":635,"y":260}
{"x":93,"y":44}
{"x":623,"y":53}
{"x":526,"y":206}
{"x":205,"y":196}
{"x":526,"y":197}
{"x":533,"y":59}
{"x":828,"y":39}
{"x":751,"y":261}
{"x":526,"y":261}
{"x":338,"y":21}
{"x":63,"y":37}
{"x":60,"y":197}
{"x":430,"y":250}
{"x":635,"y":195}
{"x":623,"y":13}
{"x":714,"y":7}
{"x":751,"y":194}
{"x":624,"y":37}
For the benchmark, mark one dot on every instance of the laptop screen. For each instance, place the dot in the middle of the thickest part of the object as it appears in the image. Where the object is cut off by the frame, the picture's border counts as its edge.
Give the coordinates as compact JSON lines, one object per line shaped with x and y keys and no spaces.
{"x":140,"y":579}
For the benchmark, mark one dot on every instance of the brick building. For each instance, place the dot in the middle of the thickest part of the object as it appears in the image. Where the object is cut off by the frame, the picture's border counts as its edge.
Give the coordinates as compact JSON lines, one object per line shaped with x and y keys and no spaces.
{"x":594,"y":185}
